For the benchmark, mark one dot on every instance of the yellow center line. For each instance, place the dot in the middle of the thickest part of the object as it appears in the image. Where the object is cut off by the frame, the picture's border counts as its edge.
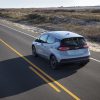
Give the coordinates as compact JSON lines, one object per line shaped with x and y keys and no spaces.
{"x":47,"y":81}
{"x":49,"y":77}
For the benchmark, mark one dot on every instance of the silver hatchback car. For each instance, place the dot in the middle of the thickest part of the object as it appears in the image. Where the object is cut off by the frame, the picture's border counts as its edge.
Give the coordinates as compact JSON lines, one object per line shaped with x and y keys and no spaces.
{"x":61,"y":47}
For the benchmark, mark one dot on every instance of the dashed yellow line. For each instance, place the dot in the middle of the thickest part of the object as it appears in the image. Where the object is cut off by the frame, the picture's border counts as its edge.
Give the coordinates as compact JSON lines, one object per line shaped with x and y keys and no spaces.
{"x":40,"y":70}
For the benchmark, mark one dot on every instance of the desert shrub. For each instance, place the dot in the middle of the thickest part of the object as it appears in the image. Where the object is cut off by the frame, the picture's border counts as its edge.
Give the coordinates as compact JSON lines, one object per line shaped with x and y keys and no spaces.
{"x":4,"y":15}
{"x":95,"y":11}
{"x":36,"y":18}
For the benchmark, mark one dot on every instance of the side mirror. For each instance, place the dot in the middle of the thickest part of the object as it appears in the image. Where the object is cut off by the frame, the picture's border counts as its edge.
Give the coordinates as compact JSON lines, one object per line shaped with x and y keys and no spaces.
{"x":40,"y":41}
{"x":37,"y":40}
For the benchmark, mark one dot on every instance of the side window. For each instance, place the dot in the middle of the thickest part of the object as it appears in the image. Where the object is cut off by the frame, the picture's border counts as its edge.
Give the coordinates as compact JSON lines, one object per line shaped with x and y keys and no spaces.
{"x":43,"y":37}
{"x":50,"y":39}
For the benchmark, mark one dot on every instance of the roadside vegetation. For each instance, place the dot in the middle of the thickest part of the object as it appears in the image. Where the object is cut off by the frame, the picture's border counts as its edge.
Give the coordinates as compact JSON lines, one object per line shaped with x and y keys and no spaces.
{"x":85,"y":22}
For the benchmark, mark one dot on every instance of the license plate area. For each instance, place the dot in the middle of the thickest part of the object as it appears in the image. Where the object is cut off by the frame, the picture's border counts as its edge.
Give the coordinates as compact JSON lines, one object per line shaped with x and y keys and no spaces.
{"x":75,"y":52}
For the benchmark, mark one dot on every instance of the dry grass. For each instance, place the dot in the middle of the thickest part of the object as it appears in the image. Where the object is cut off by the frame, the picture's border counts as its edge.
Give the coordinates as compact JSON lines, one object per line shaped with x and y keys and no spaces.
{"x":86,"y":22}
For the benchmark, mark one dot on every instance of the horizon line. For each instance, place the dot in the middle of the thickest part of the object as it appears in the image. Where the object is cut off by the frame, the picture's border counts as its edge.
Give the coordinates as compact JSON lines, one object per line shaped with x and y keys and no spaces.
{"x":48,"y":7}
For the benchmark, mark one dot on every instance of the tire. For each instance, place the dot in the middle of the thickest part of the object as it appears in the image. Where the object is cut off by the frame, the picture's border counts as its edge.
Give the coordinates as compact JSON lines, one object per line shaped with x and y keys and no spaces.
{"x":53,"y":62}
{"x":34,"y":51}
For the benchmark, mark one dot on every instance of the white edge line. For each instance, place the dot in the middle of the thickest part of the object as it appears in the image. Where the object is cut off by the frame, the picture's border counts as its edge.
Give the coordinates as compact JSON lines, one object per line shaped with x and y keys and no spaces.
{"x":95,"y":59}
{"x":18,"y":31}
{"x":35,"y":37}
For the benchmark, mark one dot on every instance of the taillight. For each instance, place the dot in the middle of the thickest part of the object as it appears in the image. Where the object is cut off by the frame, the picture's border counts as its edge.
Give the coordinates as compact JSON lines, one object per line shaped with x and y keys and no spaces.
{"x":63,"y":48}
{"x":85,"y":46}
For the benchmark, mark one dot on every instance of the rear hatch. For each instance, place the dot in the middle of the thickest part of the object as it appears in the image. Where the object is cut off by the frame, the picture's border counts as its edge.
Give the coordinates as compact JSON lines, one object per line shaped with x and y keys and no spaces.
{"x":73,"y":46}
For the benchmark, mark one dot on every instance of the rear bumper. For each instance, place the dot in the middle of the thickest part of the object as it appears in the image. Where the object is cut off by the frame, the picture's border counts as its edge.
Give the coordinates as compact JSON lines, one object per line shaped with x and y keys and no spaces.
{"x":76,"y":60}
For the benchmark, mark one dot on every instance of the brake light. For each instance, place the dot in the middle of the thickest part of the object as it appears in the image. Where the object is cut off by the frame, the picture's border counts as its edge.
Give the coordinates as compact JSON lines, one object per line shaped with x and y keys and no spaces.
{"x":63,"y":48}
{"x":85,"y":46}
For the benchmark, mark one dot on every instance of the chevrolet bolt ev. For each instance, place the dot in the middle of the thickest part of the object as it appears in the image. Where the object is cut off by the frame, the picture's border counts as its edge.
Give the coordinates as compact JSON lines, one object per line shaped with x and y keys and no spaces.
{"x":61,"y":47}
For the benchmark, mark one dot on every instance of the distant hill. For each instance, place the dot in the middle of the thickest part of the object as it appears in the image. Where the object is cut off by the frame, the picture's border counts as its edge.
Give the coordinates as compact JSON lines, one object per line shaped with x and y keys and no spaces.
{"x":64,"y":8}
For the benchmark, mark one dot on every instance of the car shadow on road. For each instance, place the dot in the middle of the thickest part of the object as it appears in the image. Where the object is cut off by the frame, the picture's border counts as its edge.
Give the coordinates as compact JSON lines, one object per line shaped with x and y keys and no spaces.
{"x":16,"y":77}
{"x":61,"y":72}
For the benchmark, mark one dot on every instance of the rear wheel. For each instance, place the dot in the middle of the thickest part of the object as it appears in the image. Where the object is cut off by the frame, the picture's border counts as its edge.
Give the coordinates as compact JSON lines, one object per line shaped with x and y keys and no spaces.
{"x":34,"y":51}
{"x":53,"y":62}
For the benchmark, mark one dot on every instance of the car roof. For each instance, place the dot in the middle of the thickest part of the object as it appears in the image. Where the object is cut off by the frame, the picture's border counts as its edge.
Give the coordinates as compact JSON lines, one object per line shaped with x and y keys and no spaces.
{"x":63,"y":34}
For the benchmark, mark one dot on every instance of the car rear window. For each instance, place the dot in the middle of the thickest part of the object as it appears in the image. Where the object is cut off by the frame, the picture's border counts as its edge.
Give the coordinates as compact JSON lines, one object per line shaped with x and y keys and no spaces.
{"x":73,"y":42}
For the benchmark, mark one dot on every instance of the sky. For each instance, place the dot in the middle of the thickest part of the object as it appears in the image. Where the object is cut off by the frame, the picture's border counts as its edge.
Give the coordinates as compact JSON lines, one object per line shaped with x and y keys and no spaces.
{"x":46,"y":3}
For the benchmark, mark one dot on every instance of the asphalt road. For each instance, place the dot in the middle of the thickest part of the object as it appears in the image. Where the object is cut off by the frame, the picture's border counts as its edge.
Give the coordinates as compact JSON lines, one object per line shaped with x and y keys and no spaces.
{"x":23,"y":77}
